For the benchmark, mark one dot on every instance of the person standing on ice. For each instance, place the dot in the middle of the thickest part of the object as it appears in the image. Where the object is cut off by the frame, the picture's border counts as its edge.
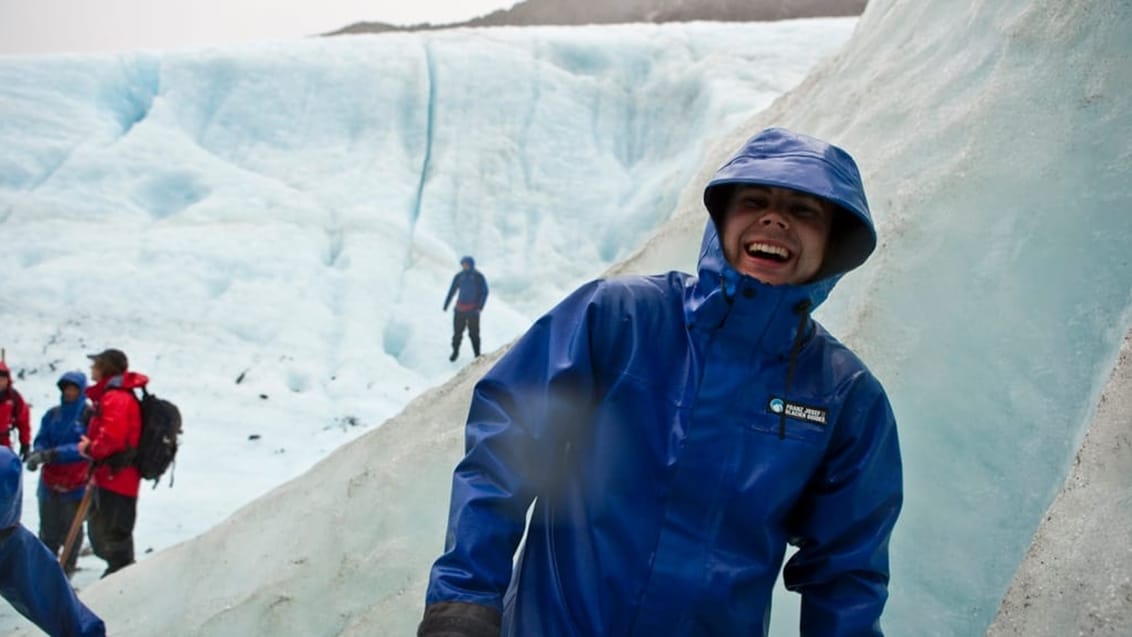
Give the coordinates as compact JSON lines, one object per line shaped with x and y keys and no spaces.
{"x":63,"y":481}
{"x":114,"y":430}
{"x":30,"y":576}
{"x":14,"y":414}
{"x":470,"y":289}
{"x":676,"y":433}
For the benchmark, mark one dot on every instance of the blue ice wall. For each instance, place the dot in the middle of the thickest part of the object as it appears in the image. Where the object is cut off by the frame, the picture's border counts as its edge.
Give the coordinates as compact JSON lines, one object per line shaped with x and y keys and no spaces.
{"x":508,"y":143}
{"x":994,"y":143}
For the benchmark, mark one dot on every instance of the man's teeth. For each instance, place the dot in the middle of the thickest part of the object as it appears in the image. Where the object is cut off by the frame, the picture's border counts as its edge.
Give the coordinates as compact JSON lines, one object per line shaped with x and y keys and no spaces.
{"x":757,"y":249}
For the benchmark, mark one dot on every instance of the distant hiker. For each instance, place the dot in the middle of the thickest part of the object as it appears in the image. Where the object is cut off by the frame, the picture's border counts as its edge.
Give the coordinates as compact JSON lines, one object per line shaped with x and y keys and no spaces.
{"x":472,"y":288}
{"x":63,"y":480}
{"x":14,"y":414}
{"x":675,"y":433}
{"x":30,"y":577}
{"x":114,"y":431}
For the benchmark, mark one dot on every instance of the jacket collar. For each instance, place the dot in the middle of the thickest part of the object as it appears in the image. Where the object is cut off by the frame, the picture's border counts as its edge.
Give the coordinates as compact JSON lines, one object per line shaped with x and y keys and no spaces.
{"x":128,"y":380}
{"x":763,"y":316}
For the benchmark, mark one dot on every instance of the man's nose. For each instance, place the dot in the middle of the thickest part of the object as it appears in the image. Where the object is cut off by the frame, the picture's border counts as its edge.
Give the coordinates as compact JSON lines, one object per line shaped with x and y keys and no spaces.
{"x":773,"y":217}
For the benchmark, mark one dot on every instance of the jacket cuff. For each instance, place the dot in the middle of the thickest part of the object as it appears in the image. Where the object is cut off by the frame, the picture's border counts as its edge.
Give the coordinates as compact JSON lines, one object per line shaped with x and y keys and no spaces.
{"x":459,"y":619}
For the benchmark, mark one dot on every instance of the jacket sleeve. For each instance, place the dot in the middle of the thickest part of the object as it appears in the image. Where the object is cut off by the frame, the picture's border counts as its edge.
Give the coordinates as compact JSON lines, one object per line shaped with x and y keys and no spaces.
{"x":521,"y":415}
{"x":67,"y":453}
{"x":483,"y":292}
{"x":843,"y":522}
{"x":113,"y":435}
{"x":23,"y":423}
{"x":41,"y":442}
{"x":70,"y":451}
{"x":35,"y":585}
{"x":11,"y":489}
{"x":452,"y":290}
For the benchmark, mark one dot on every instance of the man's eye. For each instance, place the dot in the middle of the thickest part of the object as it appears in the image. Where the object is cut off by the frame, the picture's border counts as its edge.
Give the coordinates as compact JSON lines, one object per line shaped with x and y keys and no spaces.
{"x":806,"y":212}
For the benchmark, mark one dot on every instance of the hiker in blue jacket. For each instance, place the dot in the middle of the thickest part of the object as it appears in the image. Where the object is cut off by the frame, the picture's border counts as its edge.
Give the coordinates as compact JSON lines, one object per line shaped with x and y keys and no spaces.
{"x":675,"y":433}
{"x":30,"y":576}
{"x":472,"y":288}
{"x":65,"y":473}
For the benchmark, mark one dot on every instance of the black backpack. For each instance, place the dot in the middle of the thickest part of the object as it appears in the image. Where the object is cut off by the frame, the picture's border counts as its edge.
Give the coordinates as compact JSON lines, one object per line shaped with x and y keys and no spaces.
{"x":160,"y":436}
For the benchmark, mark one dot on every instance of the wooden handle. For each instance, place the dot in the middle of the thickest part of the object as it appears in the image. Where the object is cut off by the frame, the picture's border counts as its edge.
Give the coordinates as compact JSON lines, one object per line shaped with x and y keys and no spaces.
{"x":69,"y":546}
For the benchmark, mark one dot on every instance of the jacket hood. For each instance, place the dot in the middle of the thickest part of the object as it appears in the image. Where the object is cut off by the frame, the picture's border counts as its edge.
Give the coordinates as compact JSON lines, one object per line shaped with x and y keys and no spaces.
{"x":11,"y":492}
{"x":128,"y":380}
{"x":470,"y":261}
{"x":74,"y":377}
{"x":781,"y":158}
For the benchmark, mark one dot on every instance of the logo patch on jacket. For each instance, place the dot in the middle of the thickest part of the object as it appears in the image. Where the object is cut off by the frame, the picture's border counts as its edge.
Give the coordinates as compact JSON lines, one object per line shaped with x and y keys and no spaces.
{"x":798,"y":411}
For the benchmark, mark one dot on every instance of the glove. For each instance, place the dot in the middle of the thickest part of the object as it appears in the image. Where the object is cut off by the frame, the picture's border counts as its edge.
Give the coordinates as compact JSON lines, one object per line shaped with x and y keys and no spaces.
{"x":23,"y":452}
{"x":459,"y":619}
{"x":36,"y":458}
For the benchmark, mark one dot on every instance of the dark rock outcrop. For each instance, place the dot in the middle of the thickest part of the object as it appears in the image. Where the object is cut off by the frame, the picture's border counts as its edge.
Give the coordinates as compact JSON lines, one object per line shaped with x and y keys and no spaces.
{"x":579,"y":12}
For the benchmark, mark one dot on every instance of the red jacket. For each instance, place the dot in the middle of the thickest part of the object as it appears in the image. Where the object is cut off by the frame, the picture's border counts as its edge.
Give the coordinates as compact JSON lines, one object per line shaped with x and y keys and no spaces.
{"x":115,"y":426}
{"x":13,"y":407}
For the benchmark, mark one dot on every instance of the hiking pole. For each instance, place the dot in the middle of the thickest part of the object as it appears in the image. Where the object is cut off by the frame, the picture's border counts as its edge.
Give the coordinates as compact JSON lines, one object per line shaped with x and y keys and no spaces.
{"x":76,"y":524}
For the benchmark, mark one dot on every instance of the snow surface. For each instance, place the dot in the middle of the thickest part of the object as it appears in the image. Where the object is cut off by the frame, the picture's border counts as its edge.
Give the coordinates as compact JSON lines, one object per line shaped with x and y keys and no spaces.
{"x":993,"y":311}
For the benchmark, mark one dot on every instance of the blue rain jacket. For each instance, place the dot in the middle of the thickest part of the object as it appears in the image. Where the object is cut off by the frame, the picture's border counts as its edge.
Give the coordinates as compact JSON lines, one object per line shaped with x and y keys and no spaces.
{"x":11,"y":489}
{"x":674,"y":436}
{"x":30,"y":577}
{"x":469,"y":287}
{"x":60,"y":429}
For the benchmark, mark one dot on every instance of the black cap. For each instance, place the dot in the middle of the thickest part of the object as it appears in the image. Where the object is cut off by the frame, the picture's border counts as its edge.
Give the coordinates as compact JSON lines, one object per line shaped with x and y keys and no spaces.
{"x":113,"y":359}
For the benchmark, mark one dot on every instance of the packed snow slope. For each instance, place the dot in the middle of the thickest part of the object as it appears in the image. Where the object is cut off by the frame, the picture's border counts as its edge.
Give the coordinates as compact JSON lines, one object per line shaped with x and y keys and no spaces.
{"x":1075,"y":579}
{"x":990,"y":140}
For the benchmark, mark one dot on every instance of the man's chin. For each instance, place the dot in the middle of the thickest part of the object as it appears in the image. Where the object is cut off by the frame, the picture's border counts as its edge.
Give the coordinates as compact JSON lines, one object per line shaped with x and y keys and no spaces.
{"x":769,"y":278}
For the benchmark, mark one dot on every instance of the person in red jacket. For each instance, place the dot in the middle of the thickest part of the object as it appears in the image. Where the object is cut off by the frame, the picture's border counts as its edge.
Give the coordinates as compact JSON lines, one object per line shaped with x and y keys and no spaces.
{"x":14,"y":414}
{"x":113,"y":432}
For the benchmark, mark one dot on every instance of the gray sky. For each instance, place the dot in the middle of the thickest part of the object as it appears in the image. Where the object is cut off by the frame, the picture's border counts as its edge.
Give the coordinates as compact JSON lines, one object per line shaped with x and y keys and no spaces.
{"x":85,"y":26}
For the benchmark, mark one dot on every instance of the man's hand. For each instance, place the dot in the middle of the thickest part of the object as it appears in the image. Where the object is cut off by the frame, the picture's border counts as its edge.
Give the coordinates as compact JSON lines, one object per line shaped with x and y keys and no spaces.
{"x":458,"y":619}
{"x":37,"y":458}
{"x":84,"y":447}
{"x":24,"y":452}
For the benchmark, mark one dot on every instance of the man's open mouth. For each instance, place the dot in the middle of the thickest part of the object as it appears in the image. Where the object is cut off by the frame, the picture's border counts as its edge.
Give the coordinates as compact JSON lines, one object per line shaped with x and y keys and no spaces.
{"x":760,"y":250}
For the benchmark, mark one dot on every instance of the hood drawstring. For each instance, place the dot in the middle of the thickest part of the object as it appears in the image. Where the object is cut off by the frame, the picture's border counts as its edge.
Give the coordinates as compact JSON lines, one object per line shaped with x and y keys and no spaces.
{"x":803,"y":311}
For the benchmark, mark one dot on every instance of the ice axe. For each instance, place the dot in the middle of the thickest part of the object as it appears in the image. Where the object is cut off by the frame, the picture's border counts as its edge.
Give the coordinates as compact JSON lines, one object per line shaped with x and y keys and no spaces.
{"x":76,"y":524}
